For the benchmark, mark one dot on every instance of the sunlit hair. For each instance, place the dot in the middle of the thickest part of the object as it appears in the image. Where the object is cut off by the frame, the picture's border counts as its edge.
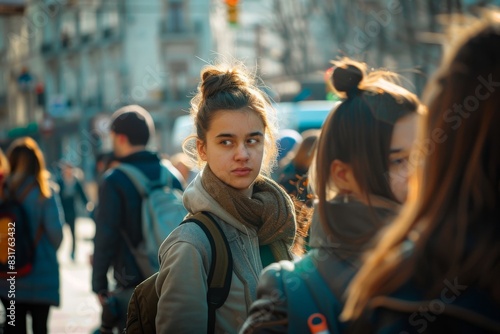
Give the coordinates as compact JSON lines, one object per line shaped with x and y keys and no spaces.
{"x":26,"y":160}
{"x":228,"y":86}
{"x":4,"y":171}
{"x":452,"y":214}
{"x":359,"y":131}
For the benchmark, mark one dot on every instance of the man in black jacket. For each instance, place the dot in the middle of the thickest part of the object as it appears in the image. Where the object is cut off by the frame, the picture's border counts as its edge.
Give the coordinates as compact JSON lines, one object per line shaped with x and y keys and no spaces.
{"x":119,"y":212}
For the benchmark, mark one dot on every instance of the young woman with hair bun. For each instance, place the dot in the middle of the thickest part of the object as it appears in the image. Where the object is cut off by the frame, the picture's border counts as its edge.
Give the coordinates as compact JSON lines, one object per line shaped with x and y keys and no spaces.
{"x":235,"y":148}
{"x":437,"y":267}
{"x":359,"y":176}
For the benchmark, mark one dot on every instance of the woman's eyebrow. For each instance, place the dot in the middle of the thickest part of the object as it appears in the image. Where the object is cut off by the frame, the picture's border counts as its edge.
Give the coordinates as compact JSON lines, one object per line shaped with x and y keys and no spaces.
{"x":225,"y":135}
{"x":256,"y":133}
{"x":231,"y":135}
{"x":395,"y":150}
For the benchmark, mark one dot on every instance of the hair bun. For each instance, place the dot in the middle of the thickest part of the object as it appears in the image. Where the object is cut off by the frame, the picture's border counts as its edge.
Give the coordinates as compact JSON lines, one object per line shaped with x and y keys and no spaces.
{"x":215,"y":81}
{"x":347,"y":78}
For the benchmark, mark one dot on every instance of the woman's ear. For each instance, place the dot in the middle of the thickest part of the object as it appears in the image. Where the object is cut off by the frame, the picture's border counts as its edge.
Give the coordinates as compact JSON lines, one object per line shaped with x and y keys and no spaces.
{"x":343,"y":177}
{"x":202,"y":149}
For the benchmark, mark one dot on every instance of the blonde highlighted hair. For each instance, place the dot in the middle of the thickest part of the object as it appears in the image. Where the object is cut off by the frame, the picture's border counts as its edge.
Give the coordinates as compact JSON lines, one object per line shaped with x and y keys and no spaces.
{"x":26,"y":160}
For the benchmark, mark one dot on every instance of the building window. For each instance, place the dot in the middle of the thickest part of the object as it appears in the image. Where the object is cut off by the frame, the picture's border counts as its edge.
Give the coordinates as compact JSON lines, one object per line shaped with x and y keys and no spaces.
{"x":175,"y":17}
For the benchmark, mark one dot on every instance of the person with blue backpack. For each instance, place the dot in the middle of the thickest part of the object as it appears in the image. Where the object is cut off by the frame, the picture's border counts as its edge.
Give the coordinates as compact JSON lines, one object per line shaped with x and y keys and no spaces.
{"x":123,"y":238}
{"x":359,"y":176}
{"x":236,"y":148}
{"x":436,"y":268}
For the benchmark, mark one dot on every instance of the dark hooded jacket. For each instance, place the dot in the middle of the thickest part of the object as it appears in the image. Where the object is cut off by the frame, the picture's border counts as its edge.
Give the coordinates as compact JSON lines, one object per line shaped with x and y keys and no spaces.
{"x":335,"y":256}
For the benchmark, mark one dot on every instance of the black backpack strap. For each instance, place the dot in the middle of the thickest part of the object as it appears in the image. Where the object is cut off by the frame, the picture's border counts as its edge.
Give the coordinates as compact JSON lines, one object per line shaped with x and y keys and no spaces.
{"x":221,"y":266}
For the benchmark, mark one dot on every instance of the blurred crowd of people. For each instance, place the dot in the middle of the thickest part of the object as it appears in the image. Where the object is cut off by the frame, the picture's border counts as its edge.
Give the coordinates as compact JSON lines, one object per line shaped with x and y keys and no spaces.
{"x":385,"y":220}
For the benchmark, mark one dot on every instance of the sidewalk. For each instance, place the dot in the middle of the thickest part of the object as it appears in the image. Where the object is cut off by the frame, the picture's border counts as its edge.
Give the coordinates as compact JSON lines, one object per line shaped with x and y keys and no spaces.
{"x":79,"y":311}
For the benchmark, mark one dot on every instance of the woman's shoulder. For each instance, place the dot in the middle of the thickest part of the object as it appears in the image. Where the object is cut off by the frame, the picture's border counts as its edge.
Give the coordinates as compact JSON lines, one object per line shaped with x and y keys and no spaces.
{"x":188,"y":233}
{"x":458,"y":308}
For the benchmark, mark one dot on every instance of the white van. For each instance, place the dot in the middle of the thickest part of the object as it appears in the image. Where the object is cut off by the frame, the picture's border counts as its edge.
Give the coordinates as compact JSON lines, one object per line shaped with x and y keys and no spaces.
{"x":304,"y":115}
{"x":183,"y":127}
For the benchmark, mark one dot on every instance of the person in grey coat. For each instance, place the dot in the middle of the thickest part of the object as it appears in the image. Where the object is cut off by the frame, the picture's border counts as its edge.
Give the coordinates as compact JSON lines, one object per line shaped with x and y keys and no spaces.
{"x":235,"y":143}
{"x":36,"y":292}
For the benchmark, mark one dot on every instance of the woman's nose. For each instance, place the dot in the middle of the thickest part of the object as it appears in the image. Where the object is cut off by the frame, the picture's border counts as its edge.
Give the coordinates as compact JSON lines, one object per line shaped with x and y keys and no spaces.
{"x":242,"y":152}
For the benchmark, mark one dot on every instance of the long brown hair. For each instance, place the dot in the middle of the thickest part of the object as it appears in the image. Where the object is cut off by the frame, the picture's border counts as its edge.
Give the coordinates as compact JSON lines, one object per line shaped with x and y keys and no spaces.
{"x":452,"y":214}
{"x":26,"y":160}
{"x":359,"y":131}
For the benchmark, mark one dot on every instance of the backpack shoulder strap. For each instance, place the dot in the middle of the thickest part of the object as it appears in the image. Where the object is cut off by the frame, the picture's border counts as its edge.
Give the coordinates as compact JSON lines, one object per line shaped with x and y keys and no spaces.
{"x":309,"y":298}
{"x":166,"y":177}
{"x":221,"y":267}
{"x":137,"y":177}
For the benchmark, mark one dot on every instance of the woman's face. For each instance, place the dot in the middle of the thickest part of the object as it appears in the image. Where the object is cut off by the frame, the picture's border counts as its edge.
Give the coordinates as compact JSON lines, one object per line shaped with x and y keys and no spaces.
{"x":403,"y":137}
{"x":234,"y":148}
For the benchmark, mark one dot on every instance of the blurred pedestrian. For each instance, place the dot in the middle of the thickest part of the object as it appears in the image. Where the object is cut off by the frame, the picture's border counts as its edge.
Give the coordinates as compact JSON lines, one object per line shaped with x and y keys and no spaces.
{"x":119,"y":214}
{"x":365,"y":140}
{"x":294,"y":179}
{"x":288,"y":142}
{"x":436,"y":269}
{"x":297,"y":167}
{"x":71,"y":191}
{"x":103,"y":162}
{"x":235,"y":144}
{"x":185,"y":166}
{"x":35,"y":293}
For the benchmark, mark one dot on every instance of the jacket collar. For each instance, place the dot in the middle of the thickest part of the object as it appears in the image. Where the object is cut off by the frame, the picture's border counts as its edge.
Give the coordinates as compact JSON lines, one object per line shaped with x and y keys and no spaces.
{"x":142,"y":156}
{"x":354,"y":223}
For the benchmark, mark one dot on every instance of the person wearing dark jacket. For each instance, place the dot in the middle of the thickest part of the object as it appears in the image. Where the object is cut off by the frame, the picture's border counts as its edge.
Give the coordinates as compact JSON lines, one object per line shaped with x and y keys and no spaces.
{"x":436,"y":269}
{"x":71,"y":190}
{"x":38,"y":291}
{"x":119,"y":212}
{"x":358,"y":176}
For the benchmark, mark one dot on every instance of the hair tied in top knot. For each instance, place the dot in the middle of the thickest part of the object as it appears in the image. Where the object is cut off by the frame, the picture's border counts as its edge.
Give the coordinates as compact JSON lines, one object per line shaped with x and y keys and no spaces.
{"x":212,"y":83}
{"x":346,"y":79}
{"x":215,"y":81}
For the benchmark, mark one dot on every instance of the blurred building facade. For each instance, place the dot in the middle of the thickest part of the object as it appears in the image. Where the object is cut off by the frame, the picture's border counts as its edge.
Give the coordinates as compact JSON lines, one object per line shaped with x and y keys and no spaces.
{"x":67,"y":65}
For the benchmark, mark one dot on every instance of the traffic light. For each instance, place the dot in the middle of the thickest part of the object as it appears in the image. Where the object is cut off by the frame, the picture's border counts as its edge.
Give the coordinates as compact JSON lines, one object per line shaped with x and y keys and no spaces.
{"x":232,"y":11}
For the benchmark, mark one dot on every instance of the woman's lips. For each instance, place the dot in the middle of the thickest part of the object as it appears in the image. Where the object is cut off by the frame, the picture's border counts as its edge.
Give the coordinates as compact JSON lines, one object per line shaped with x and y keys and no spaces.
{"x":242,"y":171}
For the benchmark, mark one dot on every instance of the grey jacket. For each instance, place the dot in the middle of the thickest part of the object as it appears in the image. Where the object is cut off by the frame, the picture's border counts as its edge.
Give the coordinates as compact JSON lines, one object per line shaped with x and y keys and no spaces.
{"x":184,"y":264}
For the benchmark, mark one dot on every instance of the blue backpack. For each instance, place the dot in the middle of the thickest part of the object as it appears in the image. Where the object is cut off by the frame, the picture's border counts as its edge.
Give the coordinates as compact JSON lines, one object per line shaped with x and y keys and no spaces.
{"x":162,"y":211}
{"x":312,"y":307}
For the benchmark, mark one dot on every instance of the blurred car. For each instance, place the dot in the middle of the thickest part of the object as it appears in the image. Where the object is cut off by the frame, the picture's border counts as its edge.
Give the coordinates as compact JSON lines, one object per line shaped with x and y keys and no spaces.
{"x":303,"y":115}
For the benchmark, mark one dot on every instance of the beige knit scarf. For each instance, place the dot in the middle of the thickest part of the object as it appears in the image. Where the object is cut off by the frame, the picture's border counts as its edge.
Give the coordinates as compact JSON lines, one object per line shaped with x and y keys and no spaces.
{"x":270,"y":210}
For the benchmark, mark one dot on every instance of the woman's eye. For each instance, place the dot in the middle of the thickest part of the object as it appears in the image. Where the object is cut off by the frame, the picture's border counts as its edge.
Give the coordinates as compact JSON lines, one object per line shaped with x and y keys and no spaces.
{"x":253,"y":141}
{"x":398,"y":161}
{"x":226,"y":142}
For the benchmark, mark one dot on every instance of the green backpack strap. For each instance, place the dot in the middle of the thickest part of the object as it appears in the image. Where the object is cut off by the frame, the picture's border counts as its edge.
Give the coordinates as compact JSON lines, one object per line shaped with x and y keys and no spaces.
{"x":142,"y":307}
{"x":221,"y":267}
